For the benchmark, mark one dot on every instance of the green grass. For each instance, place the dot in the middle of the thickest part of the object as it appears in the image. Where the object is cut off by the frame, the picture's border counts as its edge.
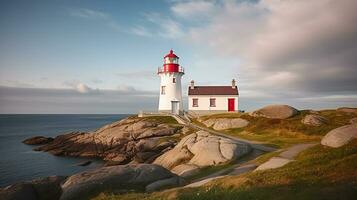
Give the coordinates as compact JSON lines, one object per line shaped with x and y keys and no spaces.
{"x":318,"y":173}
{"x":283,"y":132}
{"x":162,"y":119}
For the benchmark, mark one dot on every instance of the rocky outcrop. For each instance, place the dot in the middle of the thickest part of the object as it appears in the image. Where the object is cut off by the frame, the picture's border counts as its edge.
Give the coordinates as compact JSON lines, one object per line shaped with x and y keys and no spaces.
{"x":121,"y":142}
{"x":185,"y":170}
{"x":39,"y":189}
{"x":37,"y":140}
{"x":314,"y":120}
{"x":201,"y":149}
{"x":340,"y":136}
{"x":226,"y":123}
{"x":118,"y":179}
{"x":353,"y":120}
{"x":347,"y":110}
{"x":276,"y":112}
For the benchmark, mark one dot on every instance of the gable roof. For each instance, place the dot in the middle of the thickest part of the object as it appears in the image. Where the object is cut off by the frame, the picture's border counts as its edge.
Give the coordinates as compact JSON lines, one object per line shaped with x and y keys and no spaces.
{"x":213,"y":90}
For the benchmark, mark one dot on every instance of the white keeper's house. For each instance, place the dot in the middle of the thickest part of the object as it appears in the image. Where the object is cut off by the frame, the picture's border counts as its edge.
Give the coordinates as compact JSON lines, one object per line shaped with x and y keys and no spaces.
{"x":213,"y":98}
{"x":201,"y":99}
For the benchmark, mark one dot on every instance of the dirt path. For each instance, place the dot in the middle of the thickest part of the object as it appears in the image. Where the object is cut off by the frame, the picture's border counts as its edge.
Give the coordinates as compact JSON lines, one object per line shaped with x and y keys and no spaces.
{"x":254,"y":144}
{"x":285,"y":157}
{"x":244,"y":165}
{"x":282,"y":159}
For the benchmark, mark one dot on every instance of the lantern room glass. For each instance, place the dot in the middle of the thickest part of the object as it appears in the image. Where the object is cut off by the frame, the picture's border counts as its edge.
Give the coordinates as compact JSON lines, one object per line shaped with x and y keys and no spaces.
{"x":169,"y":60}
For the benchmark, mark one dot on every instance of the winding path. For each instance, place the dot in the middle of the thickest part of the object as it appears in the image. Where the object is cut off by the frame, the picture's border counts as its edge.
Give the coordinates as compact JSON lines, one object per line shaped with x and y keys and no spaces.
{"x":243,"y":166}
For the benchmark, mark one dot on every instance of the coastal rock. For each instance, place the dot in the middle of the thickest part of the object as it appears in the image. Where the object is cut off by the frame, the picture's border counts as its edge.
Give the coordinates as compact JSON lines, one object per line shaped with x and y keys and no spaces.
{"x":118,"y":179}
{"x":353,"y":120}
{"x":209,"y":122}
{"x":185,"y":170}
{"x":39,"y":189}
{"x":347,"y":110}
{"x":340,"y":136}
{"x":227,"y":123}
{"x":276,"y":112}
{"x":314,"y":120}
{"x":117,"y":143}
{"x":202,"y":149}
{"x":37,"y":140}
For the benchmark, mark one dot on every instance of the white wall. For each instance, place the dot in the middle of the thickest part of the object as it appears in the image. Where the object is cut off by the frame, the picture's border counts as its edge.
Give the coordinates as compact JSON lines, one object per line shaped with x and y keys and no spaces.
{"x":173,"y":91}
{"x":204,"y":102}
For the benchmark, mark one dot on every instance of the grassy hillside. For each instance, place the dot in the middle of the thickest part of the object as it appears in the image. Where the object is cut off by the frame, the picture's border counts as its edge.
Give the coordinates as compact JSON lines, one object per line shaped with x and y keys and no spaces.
{"x":284,"y":132}
{"x":317,"y":173}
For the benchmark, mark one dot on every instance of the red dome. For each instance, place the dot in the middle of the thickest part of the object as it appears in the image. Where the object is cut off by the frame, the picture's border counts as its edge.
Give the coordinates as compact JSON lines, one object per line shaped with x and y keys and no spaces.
{"x":171,"y":55}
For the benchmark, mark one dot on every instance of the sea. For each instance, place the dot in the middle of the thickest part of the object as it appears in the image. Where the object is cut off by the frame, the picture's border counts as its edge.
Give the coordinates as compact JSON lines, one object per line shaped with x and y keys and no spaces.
{"x":18,"y":161}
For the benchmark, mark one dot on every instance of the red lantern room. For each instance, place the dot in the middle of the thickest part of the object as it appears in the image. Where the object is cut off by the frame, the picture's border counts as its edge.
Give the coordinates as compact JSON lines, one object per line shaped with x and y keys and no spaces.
{"x":171,"y":63}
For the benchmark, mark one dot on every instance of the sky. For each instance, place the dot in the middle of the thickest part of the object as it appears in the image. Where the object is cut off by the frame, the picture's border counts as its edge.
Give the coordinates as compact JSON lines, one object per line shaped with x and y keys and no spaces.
{"x":101,"y":56}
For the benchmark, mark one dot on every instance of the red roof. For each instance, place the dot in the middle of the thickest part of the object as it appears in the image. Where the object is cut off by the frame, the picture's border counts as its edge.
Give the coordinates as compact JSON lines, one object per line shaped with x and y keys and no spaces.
{"x":213,"y":90}
{"x":171,"y":54}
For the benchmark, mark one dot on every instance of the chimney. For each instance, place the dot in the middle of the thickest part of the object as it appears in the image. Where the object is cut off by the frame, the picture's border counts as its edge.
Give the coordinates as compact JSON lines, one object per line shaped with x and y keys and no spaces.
{"x":192,"y":86}
{"x":233,"y":83}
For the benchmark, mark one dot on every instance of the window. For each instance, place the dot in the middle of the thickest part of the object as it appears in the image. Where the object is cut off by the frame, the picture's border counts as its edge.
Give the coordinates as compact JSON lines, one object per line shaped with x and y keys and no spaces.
{"x":212,"y":102}
{"x":163,"y":89}
{"x":174,"y":80}
{"x":194,"y":102}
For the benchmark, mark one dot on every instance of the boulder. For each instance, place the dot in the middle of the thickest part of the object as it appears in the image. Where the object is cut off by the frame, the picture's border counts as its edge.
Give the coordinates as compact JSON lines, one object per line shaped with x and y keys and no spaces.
{"x":37,"y":140}
{"x":39,"y":189}
{"x":116,"y":143}
{"x":347,"y":110}
{"x":340,"y":136}
{"x":185,"y":170}
{"x":18,"y":191}
{"x":209,"y":122}
{"x":314,"y":120}
{"x":353,"y":120}
{"x":276,"y":112}
{"x":118,"y":179}
{"x":228,"y":123}
{"x":203,"y":149}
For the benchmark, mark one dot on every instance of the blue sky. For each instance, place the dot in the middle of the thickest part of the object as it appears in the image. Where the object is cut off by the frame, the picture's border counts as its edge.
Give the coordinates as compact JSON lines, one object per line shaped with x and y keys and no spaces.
{"x":101,"y":56}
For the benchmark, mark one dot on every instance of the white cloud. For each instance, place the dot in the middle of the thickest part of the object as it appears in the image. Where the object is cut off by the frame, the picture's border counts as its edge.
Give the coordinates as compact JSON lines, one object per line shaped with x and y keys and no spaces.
{"x":89,"y":14}
{"x":82,"y":88}
{"x":97,"y":15}
{"x":193,"y":9}
{"x":141,"y":31}
{"x":167,"y":27}
{"x":283,"y":46}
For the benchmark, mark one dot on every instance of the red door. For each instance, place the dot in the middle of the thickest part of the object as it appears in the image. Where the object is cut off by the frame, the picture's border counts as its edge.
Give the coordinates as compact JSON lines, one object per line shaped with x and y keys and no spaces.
{"x":231,"y":104}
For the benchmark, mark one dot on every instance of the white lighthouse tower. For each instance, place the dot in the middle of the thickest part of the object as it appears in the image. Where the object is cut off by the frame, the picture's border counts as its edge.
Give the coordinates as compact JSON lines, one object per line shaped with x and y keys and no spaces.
{"x":170,"y":86}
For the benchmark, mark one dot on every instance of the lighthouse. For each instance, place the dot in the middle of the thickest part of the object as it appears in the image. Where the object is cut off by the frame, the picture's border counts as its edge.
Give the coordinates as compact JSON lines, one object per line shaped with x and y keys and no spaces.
{"x":170,"y":86}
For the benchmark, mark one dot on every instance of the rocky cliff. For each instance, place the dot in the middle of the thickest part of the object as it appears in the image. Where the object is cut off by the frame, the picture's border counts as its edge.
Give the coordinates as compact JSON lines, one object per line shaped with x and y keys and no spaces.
{"x":129,"y":140}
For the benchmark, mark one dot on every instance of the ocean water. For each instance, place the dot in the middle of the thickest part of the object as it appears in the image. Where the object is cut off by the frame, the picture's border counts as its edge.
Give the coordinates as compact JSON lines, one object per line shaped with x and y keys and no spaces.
{"x":19,"y":162}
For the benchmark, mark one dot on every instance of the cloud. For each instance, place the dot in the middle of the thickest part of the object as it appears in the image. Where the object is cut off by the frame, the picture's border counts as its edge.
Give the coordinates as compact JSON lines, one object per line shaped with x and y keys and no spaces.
{"x":141,"y":31}
{"x":166,"y":26}
{"x":84,"y":89}
{"x":192,"y":9}
{"x":97,"y":15}
{"x":89,"y":14}
{"x":80,"y":87}
{"x":285,"y":47}
{"x":45,"y":100}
